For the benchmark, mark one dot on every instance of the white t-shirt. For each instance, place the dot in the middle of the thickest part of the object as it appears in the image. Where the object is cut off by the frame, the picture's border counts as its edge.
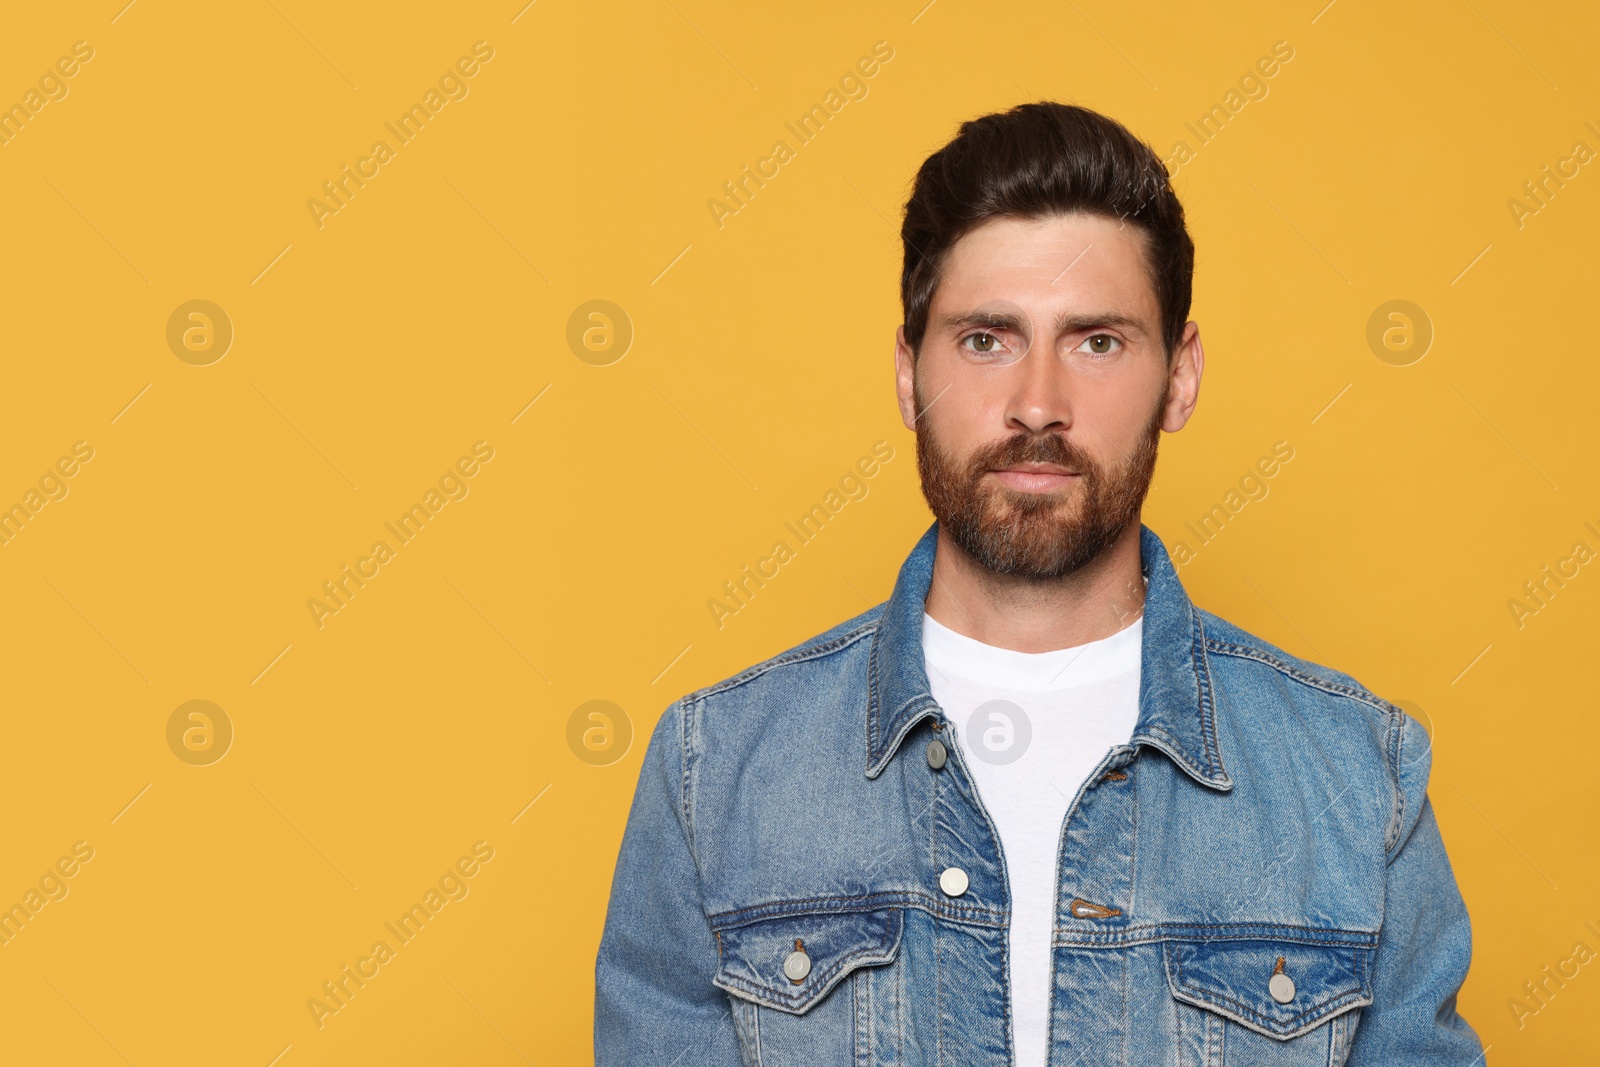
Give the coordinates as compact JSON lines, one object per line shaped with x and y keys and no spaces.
{"x":1031,"y":727}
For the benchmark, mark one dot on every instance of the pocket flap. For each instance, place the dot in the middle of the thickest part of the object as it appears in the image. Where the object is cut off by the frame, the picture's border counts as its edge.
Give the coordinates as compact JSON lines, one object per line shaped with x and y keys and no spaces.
{"x":833,"y":944}
{"x":1234,"y":978}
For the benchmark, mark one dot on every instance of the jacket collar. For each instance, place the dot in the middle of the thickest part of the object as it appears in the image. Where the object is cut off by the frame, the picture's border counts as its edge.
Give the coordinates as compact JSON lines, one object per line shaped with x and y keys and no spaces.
{"x":1177,"y":708}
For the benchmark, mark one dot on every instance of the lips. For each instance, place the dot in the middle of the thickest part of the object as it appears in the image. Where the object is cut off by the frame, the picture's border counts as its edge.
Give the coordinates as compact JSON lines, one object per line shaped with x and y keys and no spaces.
{"x":1034,"y":477}
{"x":1035,"y":468}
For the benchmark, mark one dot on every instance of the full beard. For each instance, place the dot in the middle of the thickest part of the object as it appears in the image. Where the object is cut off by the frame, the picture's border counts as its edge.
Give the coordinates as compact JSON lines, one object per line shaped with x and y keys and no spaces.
{"x":1035,"y":536}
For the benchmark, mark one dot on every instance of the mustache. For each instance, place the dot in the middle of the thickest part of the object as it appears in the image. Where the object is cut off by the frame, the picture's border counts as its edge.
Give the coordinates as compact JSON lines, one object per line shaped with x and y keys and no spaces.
{"x":1030,"y":448}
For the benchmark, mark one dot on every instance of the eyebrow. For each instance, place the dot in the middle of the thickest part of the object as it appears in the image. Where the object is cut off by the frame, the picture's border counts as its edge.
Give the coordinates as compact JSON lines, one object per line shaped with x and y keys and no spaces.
{"x":1064,"y":323}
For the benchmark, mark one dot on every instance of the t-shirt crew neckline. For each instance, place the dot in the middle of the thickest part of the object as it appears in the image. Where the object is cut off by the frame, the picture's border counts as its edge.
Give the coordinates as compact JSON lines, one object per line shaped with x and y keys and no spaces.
{"x":969,"y":658}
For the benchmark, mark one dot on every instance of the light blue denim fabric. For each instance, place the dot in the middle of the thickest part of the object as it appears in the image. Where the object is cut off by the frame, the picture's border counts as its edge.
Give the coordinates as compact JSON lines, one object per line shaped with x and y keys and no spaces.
{"x":1268,"y":815}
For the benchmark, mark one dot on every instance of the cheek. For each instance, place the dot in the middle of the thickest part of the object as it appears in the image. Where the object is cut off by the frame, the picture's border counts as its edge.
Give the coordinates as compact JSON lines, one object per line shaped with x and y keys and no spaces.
{"x":957,"y":424}
{"x":1111,"y":414}
{"x":967,"y":409}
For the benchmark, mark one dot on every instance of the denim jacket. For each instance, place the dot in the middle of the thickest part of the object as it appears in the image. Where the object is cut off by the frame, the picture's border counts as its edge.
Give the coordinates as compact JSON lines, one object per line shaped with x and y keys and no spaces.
{"x":1255,"y":878}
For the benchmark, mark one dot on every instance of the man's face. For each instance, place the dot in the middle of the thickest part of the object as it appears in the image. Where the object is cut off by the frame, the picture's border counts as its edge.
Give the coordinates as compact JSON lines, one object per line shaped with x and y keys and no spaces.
{"x":1041,"y":390}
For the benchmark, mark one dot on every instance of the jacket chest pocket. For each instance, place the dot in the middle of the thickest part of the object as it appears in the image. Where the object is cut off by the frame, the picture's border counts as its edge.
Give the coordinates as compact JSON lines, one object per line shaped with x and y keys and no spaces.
{"x":1246,"y":1002}
{"x":801,"y":984}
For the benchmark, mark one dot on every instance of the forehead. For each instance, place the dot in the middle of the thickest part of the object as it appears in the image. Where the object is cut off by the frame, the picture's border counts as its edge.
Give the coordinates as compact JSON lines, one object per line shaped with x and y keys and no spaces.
{"x":1059,"y":262}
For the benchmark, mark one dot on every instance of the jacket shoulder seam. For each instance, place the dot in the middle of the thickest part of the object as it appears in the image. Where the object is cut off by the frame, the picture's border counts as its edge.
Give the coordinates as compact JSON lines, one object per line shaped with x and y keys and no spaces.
{"x":797,"y":655}
{"x":686,"y":708}
{"x":1396,"y":736}
{"x":1360,"y":694}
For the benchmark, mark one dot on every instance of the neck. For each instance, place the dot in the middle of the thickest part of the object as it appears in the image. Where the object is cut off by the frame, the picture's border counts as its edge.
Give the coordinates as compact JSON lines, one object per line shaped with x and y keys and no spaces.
{"x":1099,"y":599}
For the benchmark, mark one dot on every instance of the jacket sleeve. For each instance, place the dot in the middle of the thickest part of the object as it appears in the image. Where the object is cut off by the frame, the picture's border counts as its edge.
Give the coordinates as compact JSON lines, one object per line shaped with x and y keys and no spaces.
{"x":1425,"y":942}
{"x":654,"y":1001}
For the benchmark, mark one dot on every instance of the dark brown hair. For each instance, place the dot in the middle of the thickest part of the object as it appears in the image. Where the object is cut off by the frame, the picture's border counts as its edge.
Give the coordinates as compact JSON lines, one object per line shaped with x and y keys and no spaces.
{"x":1031,"y":162}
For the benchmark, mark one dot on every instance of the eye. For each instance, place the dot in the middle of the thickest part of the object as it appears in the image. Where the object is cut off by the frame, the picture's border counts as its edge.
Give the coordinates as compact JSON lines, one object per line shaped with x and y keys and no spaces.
{"x":985,"y":342}
{"x":1100,"y":344}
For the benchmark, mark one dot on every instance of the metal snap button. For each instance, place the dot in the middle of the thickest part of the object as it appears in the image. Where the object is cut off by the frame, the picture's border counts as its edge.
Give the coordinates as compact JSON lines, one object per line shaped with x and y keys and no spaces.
{"x":1280,"y":985}
{"x":953,"y":881}
{"x":796,"y":965}
{"x":937,"y":754}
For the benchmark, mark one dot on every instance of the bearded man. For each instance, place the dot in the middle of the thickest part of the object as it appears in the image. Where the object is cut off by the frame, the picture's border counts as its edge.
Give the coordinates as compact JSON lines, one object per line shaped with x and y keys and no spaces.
{"x":1037,"y":808}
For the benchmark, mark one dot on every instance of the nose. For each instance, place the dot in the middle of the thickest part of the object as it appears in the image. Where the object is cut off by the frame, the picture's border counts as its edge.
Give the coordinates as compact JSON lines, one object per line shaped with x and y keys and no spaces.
{"x":1038,"y":401}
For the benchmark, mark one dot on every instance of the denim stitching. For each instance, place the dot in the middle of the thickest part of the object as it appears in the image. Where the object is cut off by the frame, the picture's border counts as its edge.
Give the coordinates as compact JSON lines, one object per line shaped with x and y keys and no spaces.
{"x":938,"y":998}
{"x":899,"y":1012}
{"x":865,"y":956}
{"x":1316,"y":1011}
{"x":893,"y":745}
{"x":746,"y":1031}
{"x":685,"y":783}
{"x":1396,"y":741}
{"x":1208,"y":725}
{"x":780,"y":909}
{"x":1156,"y":932}
{"x":1133,"y":851}
{"x":1050,"y":1009}
{"x":1175,"y":749}
{"x":938,"y":935}
{"x":784,"y":659}
{"x":1394,"y":716}
{"x":872,"y":697}
{"x":689,"y":753}
{"x":1125,"y":959}
{"x":1359,"y":693}
{"x":1347,"y":999}
{"x":859,"y":991}
{"x":1294,"y":1022}
{"x":783,"y":909}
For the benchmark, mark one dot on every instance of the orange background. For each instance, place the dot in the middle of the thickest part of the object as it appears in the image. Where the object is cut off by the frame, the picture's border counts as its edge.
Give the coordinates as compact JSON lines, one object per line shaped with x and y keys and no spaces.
{"x":370,"y":353}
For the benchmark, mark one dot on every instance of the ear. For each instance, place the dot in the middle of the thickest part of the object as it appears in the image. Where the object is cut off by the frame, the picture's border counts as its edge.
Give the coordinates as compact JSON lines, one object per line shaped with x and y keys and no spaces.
{"x":1183,"y":390}
{"x":905,"y":379}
